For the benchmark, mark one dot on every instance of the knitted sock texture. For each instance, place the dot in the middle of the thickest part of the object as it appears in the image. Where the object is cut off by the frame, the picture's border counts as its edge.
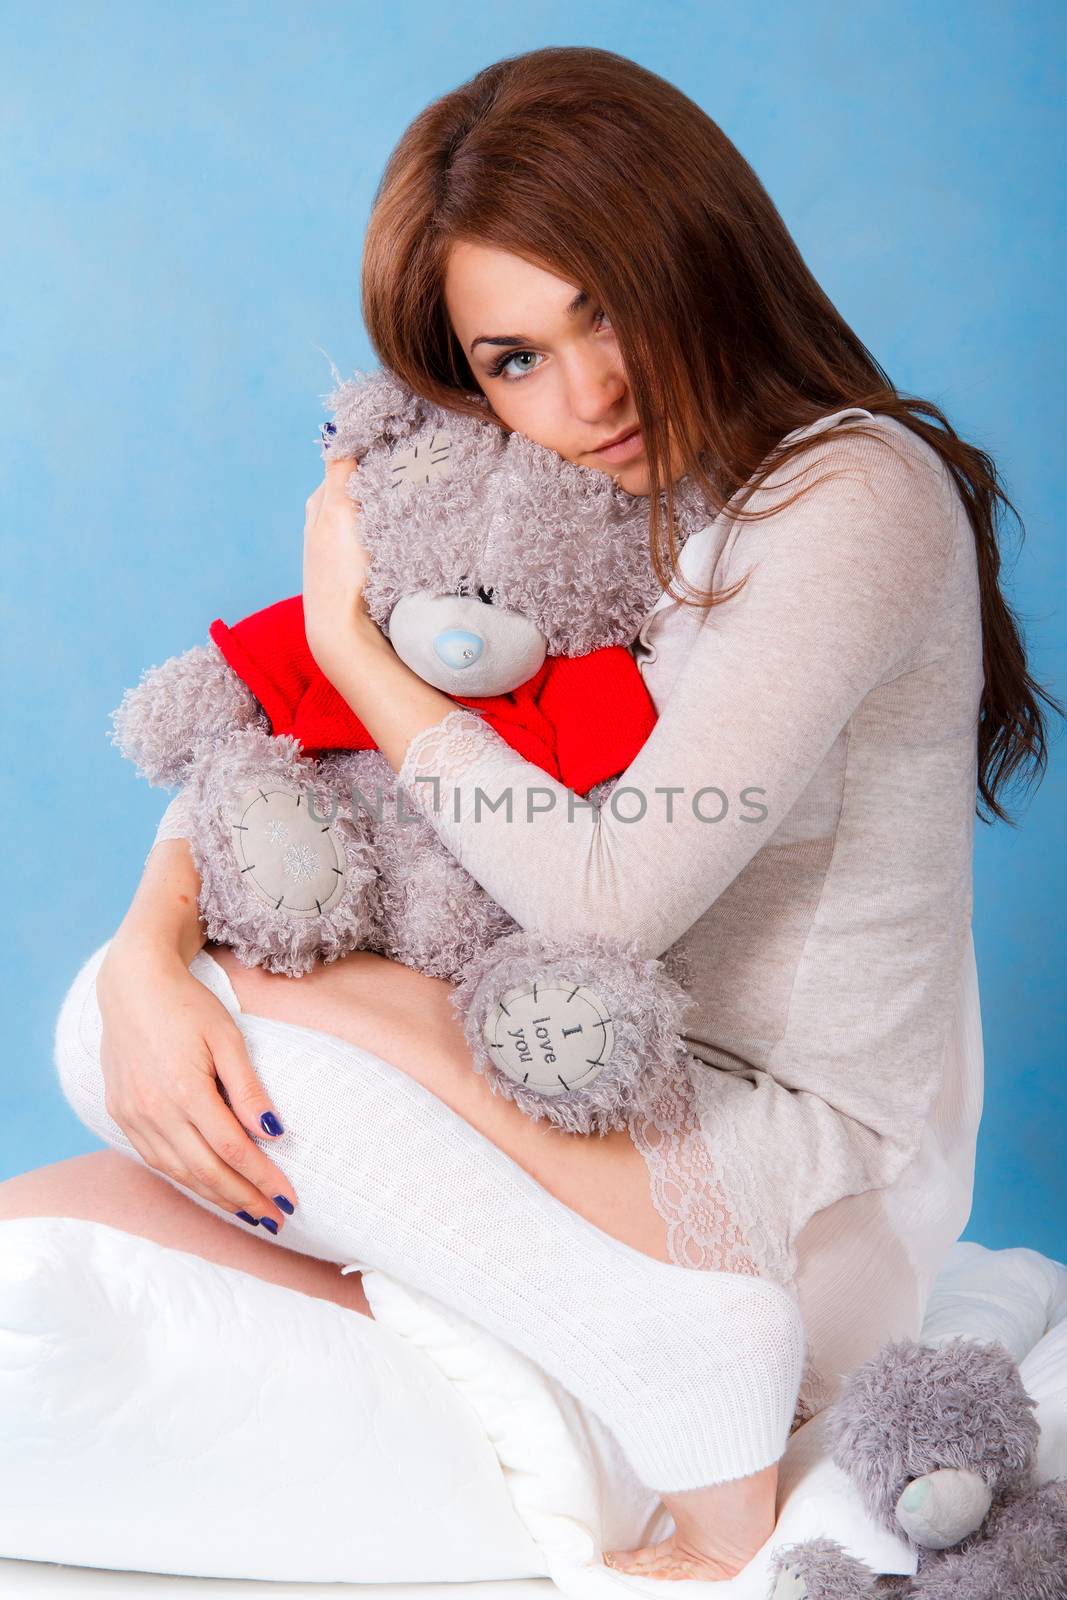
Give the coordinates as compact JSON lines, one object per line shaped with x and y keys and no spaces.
{"x":696,"y":1373}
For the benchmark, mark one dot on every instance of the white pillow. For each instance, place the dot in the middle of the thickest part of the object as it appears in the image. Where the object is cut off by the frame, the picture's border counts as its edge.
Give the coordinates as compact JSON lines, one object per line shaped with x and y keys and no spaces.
{"x":163,"y":1414}
{"x":198,"y":1420}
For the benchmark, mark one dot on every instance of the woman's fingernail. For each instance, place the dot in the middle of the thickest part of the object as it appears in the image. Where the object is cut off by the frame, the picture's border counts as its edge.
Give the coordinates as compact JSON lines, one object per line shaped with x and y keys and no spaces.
{"x":284,"y":1204}
{"x":246,"y":1218}
{"x":269,"y":1223}
{"x":270,"y":1124}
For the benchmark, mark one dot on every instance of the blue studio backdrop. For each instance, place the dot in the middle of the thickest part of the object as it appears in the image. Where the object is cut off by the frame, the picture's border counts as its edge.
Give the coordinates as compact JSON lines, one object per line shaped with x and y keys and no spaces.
{"x":185,"y":191}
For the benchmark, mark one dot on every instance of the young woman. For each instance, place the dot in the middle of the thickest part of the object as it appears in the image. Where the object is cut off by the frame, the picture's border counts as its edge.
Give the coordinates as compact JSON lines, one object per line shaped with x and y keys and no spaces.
{"x":837,"y":682}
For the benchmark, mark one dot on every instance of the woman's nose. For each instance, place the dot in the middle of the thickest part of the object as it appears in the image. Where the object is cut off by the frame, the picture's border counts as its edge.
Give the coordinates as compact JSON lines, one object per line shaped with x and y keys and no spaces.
{"x":458,"y":647}
{"x":595,"y":391}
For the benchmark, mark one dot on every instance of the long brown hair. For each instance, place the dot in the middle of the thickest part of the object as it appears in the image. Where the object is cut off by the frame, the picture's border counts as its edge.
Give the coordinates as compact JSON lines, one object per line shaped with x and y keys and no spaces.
{"x":589,"y":165}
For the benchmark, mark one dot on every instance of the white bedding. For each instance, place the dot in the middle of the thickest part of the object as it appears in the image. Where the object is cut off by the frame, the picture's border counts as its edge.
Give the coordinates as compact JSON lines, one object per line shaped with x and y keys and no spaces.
{"x":162,"y":1413}
{"x":561,"y":1485}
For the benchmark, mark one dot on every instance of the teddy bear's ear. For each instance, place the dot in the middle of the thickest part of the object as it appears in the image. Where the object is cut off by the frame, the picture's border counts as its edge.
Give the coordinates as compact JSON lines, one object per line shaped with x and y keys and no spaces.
{"x":178,"y":710}
{"x":372,"y":408}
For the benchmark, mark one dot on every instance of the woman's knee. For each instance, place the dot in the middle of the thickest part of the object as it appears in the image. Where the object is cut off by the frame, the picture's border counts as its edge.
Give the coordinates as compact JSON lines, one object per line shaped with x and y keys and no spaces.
{"x":100,"y":1186}
{"x":107,"y":1187}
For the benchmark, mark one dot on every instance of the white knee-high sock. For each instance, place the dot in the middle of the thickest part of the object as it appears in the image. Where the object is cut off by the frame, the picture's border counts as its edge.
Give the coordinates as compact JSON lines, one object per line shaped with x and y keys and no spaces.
{"x":696,"y":1373}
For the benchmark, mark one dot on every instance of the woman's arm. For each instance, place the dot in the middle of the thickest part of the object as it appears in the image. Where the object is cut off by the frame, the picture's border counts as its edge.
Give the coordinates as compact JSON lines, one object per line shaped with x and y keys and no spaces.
{"x":163,"y":922}
{"x":843,"y":587}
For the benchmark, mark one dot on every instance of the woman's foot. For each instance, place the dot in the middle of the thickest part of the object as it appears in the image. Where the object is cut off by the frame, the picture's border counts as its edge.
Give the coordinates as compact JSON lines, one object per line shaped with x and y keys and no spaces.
{"x":718,"y":1530}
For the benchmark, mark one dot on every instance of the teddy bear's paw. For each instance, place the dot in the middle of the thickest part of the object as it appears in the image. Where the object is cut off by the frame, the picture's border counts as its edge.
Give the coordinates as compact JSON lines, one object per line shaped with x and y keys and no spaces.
{"x":819,"y":1569}
{"x":287,"y":875}
{"x":367,"y":409}
{"x":943,"y":1507}
{"x":570,"y":1029}
{"x":1020,"y":1553}
{"x":554,"y":1035}
{"x":290,"y":855}
{"x":181,"y":709}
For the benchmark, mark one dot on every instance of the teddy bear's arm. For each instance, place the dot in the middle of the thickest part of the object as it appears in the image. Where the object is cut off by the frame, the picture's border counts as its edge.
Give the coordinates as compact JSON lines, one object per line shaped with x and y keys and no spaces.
{"x":368,"y":409}
{"x":179,"y":709}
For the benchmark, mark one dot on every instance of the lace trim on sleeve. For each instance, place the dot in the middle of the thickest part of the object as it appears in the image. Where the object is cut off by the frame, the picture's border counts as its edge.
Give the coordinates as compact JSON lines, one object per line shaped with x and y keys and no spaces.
{"x":438,"y":757}
{"x":176,"y":821}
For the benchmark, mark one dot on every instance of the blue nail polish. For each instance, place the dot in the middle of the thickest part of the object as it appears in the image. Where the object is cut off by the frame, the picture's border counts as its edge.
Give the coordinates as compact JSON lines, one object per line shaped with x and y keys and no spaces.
{"x":269,"y":1223}
{"x":270,"y":1124}
{"x":283,"y":1204}
{"x":246,"y":1218}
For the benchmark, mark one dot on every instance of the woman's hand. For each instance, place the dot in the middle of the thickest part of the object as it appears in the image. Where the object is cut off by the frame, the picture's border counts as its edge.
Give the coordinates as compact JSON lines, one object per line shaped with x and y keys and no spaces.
{"x":165,"y":1037}
{"x":353,"y":653}
{"x":335,"y":568}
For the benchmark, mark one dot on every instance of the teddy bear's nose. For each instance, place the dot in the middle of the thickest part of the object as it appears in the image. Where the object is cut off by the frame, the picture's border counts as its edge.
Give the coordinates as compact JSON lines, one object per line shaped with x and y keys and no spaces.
{"x":458,"y":647}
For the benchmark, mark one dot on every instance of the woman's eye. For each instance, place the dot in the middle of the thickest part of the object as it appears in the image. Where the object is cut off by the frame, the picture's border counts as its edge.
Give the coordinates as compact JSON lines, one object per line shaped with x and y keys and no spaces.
{"x":499,"y":368}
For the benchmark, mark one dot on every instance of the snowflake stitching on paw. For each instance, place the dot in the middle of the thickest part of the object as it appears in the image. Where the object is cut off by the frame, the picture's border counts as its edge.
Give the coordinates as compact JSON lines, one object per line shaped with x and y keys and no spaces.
{"x":300,"y":863}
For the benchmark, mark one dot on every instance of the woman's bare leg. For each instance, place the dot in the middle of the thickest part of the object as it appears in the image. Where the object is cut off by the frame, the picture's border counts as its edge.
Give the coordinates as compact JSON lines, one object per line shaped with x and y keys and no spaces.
{"x":105,"y":1186}
{"x":405,"y":1018}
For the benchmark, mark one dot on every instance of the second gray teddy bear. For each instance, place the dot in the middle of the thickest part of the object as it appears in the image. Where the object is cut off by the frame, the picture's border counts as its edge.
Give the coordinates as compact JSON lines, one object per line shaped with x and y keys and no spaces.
{"x":941,"y":1442}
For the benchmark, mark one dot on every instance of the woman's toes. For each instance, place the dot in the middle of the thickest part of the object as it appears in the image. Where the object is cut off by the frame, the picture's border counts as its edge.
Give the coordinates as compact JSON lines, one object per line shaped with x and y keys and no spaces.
{"x":639,"y":1561}
{"x":668,"y":1559}
{"x":627,"y":1560}
{"x":659,"y":1561}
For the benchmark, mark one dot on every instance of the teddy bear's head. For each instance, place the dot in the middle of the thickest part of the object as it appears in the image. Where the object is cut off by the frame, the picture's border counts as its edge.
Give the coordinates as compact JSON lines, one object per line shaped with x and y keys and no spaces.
{"x":488,"y":551}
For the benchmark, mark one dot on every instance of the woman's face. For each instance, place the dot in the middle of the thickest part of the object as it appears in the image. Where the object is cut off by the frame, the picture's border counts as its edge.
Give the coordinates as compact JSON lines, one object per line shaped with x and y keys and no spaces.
{"x":547,"y":359}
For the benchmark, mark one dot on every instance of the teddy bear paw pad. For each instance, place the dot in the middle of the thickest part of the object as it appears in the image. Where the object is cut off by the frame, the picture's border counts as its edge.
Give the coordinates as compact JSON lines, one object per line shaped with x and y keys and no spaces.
{"x":287,"y":856}
{"x":551,"y":1036}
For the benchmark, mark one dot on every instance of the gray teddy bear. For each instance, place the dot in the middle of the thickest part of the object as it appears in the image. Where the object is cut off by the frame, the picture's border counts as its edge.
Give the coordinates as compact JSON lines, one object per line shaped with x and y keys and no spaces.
{"x":514,"y":581}
{"x":940,"y":1442}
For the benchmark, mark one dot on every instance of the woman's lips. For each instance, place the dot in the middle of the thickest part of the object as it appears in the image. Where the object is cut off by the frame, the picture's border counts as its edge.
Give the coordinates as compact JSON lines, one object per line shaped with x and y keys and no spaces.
{"x":632,"y":445}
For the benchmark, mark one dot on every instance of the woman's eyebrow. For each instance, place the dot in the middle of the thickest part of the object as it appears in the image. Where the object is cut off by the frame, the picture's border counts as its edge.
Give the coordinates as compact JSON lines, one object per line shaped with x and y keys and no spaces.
{"x":581,"y":299}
